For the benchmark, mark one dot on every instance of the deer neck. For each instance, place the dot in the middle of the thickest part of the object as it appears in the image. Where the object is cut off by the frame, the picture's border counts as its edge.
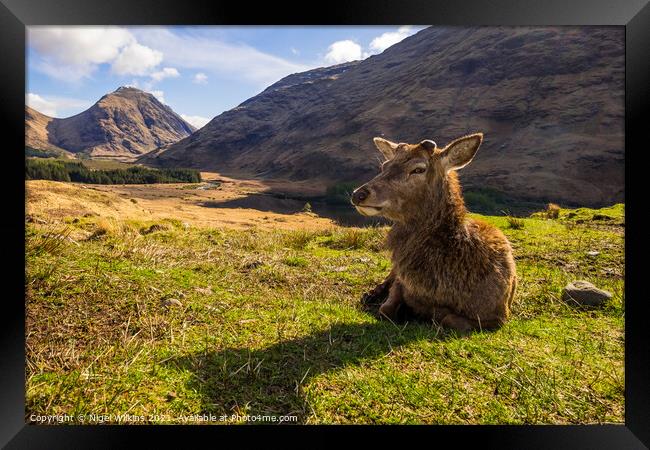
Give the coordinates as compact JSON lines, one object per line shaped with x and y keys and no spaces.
{"x":443,"y":209}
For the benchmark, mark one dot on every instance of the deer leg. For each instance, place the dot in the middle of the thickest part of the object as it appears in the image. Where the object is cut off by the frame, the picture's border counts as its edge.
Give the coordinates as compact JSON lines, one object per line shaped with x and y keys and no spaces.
{"x":395,"y":299}
{"x":439,"y":313}
{"x":458,"y":323}
{"x":380,"y":292}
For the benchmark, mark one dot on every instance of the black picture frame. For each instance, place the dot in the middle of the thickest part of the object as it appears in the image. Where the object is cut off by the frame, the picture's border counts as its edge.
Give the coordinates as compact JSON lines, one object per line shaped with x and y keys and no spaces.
{"x":15,"y":15}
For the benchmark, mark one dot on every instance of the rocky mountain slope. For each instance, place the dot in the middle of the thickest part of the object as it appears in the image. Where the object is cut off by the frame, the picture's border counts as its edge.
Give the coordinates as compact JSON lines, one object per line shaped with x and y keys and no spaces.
{"x":36,"y":132}
{"x":549,"y":100}
{"x":126,"y":122}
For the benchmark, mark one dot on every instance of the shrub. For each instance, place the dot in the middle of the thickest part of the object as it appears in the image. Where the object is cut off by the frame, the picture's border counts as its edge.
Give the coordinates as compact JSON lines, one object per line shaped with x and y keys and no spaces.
{"x":371,"y":238}
{"x":515,"y":223}
{"x":103,"y":227}
{"x":552,"y":211}
{"x":298,"y":239}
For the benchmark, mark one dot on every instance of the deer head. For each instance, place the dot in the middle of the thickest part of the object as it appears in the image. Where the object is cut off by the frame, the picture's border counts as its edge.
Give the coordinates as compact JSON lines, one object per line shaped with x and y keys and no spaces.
{"x":415,"y":178}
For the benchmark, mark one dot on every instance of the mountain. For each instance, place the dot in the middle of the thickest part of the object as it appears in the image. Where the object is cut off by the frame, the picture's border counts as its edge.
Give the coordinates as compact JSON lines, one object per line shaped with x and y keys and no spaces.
{"x":126,"y":122}
{"x":550,"y":101}
{"x":36,"y":134}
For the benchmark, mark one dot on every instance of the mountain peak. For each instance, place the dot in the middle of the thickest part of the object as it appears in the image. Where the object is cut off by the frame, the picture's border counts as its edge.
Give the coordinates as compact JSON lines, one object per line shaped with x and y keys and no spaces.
{"x":125,"y":122}
{"x":128,"y":87}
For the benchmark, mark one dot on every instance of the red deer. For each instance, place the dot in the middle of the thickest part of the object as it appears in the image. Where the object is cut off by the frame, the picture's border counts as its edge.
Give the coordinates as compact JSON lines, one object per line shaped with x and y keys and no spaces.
{"x":446,"y":266}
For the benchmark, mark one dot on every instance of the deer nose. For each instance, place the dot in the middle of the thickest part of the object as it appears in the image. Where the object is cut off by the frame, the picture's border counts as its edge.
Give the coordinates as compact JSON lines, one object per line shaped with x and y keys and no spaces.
{"x":360,"y":195}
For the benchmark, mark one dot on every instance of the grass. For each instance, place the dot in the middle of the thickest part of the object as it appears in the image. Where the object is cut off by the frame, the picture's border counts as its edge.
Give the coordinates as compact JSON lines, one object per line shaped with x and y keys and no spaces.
{"x":269,"y":323}
{"x":515,"y":223}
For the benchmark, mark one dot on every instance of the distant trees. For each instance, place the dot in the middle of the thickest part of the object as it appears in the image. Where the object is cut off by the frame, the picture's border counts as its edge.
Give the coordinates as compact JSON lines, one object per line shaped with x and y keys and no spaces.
{"x":35,"y":153}
{"x":57,"y":170}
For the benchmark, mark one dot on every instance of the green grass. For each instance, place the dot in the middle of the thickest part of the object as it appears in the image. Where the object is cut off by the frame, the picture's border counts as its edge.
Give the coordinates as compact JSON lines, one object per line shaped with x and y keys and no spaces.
{"x":270,"y":323}
{"x":106,"y":164}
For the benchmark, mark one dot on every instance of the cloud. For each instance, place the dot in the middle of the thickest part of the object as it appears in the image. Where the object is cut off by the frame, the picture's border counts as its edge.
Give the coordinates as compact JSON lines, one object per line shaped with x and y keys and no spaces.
{"x":349,"y":50}
{"x":343,"y":51}
{"x":40,"y":104}
{"x":200,"y":78}
{"x":136,"y":59}
{"x":56,"y":106}
{"x":71,"y":53}
{"x":197,"y":121}
{"x":79,"y":45}
{"x":382,"y":42}
{"x":295,"y":51}
{"x":200,"y":51}
{"x":166,"y":72}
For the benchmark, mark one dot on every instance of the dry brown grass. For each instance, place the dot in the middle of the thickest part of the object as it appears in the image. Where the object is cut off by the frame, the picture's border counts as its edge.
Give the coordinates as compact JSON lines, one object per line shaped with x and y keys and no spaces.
{"x":56,"y":200}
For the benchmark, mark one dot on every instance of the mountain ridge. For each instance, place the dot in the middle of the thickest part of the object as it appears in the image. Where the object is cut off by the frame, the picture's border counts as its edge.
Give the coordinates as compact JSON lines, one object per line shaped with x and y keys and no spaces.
{"x":549,"y":101}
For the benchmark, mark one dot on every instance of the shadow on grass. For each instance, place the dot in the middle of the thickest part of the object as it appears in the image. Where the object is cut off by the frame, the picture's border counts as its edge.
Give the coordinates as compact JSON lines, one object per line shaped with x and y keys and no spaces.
{"x":269,"y":381}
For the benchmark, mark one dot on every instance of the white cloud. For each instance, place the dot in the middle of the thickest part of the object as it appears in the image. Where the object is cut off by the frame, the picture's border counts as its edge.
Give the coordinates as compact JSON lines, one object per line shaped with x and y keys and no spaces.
{"x":71,"y":53}
{"x":54,"y":106}
{"x":197,"y":121}
{"x":40,"y":104}
{"x":208,"y":54}
{"x":79,"y":45}
{"x":382,"y":42}
{"x":343,"y":51}
{"x":166,"y":72}
{"x":136,"y":59}
{"x":200,"y":78}
{"x":349,"y":50}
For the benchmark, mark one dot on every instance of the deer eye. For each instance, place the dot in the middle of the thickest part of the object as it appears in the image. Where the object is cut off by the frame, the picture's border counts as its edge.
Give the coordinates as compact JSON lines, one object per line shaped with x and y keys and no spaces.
{"x":418,"y":170}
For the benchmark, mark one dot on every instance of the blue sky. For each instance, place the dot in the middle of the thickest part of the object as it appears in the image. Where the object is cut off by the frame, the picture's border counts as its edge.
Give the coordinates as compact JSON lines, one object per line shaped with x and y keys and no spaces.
{"x":198,"y":71}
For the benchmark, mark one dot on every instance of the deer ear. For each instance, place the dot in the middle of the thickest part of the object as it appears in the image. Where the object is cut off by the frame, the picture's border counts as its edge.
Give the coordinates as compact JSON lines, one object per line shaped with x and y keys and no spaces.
{"x":429,"y":145}
{"x":460,"y":152}
{"x":386,"y":147}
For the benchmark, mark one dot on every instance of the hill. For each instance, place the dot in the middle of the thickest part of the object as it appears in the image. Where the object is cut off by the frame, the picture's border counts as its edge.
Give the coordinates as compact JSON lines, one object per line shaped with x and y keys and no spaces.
{"x":126,"y":122}
{"x":549,"y":100}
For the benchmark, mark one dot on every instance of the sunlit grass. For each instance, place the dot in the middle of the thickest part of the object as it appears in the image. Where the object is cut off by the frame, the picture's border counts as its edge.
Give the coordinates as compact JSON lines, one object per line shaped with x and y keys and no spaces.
{"x":269,"y":322}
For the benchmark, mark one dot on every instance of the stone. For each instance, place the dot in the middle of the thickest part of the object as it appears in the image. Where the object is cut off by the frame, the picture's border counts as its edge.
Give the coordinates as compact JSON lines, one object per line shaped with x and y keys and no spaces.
{"x":584,"y":293}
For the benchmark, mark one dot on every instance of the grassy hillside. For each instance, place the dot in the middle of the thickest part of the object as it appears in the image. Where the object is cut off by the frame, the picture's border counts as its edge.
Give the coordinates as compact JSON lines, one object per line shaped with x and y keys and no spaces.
{"x":161,"y":320}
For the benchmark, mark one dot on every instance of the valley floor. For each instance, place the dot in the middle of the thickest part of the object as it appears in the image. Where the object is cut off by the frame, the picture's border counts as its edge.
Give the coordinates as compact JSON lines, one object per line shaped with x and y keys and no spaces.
{"x":213,"y":203}
{"x":149,"y":304}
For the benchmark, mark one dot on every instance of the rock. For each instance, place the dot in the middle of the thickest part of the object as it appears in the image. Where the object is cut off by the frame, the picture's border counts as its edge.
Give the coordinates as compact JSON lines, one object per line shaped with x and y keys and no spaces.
{"x":593,"y":253}
{"x":172,"y":302}
{"x":584,"y":293}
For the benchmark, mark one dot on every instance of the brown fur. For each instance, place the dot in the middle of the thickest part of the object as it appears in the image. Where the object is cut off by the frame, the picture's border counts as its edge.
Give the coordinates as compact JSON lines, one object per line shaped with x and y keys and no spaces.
{"x":446,"y":266}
